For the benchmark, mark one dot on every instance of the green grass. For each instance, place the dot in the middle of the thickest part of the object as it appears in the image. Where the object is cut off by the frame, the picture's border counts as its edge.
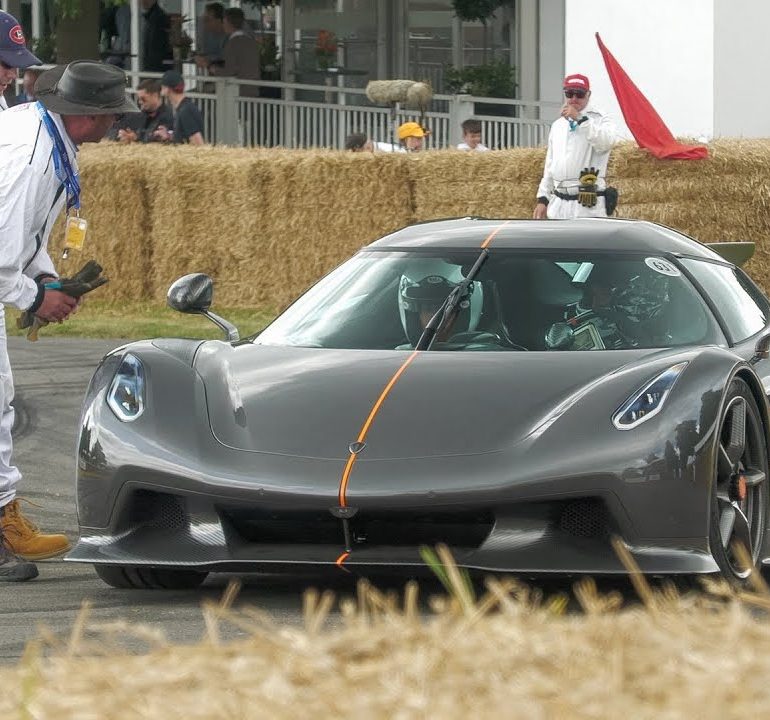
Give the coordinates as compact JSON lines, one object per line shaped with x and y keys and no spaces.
{"x":136,"y":321}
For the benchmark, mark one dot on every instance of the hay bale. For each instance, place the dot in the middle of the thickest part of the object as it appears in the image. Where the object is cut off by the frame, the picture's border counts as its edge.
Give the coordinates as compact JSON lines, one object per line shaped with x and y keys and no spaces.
{"x":115,"y":203}
{"x":268,"y":223}
{"x":509,"y":654}
{"x":495,"y":184}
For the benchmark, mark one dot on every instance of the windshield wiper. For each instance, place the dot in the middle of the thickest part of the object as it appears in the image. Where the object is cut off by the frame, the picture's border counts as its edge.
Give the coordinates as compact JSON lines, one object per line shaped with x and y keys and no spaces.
{"x":449,"y":305}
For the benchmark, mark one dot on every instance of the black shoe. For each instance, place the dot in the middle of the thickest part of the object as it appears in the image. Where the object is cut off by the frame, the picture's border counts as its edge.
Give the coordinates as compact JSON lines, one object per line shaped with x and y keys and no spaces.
{"x":13,"y":568}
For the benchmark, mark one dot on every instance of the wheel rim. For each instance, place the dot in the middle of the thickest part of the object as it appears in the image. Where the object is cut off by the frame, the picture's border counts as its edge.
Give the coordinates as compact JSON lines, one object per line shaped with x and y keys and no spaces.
{"x":741,"y":475}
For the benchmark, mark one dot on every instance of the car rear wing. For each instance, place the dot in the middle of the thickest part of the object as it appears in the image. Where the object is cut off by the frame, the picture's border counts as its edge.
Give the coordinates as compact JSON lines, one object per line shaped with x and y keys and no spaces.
{"x":737,"y":253}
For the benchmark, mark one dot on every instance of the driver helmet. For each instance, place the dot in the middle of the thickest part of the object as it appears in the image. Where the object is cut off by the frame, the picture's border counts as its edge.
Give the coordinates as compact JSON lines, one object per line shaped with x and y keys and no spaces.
{"x":418,"y":299}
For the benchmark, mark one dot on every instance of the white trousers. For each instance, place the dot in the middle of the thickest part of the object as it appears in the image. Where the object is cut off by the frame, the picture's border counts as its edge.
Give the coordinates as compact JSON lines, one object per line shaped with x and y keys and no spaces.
{"x":9,"y":474}
{"x":559,"y":209}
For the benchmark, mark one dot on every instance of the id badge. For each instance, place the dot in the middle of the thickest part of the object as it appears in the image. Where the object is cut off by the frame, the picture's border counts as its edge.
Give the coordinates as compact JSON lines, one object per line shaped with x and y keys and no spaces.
{"x":75,"y":232}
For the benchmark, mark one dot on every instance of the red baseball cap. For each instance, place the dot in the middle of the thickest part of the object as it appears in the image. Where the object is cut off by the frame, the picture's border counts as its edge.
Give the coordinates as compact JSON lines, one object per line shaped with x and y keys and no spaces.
{"x":577,"y":82}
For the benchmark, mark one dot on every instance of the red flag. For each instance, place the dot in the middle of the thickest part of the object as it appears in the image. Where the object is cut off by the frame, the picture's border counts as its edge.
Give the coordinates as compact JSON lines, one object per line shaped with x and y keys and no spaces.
{"x":645,"y":124}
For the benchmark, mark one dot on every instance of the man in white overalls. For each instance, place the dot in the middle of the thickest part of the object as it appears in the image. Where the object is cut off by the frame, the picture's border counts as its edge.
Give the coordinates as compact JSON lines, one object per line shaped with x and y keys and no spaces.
{"x":38,"y":179}
{"x":579,"y":144}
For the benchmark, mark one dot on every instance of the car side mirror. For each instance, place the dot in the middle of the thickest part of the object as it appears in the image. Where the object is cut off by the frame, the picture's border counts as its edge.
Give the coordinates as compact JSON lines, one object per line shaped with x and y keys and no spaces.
{"x":761,"y":349}
{"x":193,"y":294}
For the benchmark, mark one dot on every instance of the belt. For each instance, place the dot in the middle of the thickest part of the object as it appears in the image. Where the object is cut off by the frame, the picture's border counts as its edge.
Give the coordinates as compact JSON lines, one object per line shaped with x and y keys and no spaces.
{"x":568,"y":196}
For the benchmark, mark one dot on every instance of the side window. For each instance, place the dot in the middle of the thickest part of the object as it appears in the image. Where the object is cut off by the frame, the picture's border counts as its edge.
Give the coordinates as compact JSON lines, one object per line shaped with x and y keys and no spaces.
{"x":744,"y":312}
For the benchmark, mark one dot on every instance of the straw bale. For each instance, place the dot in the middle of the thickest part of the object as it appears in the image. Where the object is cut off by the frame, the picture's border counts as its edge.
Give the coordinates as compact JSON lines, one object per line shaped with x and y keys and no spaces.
{"x":494,"y":184}
{"x":114,"y":201}
{"x":203,"y":202}
{"x":314,"y":210}
{"x":268,"y":223}
{"x":507,"y":654}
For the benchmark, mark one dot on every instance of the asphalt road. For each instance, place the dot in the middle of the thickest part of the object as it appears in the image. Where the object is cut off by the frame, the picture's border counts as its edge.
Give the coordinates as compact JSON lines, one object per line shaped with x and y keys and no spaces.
{"x":51,"y":377}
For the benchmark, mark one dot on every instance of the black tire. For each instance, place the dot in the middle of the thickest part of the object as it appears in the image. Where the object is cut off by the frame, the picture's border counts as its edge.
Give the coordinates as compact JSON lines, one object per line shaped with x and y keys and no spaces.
{"x":150,"y":578}
{"x":740,"y":489}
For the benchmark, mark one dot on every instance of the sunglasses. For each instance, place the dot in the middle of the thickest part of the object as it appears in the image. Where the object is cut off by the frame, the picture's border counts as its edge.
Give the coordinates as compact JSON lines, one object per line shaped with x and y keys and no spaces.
{"x":575,"y":93}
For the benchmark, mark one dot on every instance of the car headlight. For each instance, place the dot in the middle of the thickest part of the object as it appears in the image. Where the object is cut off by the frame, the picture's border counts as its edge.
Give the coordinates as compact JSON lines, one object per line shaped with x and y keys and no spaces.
{"x":648,"y":401}
{"x":126,"y":394}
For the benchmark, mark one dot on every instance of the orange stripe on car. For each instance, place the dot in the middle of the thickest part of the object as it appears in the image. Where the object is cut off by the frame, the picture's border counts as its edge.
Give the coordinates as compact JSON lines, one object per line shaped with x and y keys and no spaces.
{"x":341,"y":559}
{"x":384,"y":394}
{"x":491,"y":235}
{"x":365,"y":429}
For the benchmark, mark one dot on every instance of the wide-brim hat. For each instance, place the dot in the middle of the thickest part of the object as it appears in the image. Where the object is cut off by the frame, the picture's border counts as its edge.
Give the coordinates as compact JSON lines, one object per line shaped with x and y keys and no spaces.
{"x":13,"y":44}
{"x":85,"y":87}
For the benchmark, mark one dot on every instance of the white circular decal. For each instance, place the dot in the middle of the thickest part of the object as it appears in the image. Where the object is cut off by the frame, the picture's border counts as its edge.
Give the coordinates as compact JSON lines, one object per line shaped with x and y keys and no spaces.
{"x":664,"y":267}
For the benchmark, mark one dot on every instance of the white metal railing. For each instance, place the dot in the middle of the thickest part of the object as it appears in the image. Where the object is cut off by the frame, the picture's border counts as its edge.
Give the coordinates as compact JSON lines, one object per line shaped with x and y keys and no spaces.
{"x":298,"y":115}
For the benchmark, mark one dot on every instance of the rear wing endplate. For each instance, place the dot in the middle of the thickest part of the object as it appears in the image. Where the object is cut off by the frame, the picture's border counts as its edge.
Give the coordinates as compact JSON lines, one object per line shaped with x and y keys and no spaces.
{"x":736,"y":253}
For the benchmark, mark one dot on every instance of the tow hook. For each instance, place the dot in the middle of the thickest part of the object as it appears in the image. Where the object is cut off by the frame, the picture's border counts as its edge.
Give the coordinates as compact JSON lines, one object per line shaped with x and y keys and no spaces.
{"x":345,"y":514}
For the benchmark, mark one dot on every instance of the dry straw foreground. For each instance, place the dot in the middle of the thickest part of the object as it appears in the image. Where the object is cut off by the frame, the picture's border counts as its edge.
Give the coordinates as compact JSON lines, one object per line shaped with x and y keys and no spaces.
{"x":266,"y":224}
{"x":512,"y":653}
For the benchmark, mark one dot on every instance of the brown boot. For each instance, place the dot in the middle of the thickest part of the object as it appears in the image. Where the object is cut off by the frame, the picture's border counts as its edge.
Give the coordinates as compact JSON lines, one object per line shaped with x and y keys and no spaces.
{"x":24,"y":539}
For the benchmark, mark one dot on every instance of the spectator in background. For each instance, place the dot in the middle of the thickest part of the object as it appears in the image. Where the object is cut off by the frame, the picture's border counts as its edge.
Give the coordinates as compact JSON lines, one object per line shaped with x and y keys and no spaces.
{"x":241,"y":52}
{"x":156,"y":43}
{"x":116,"y":35}
{"x":141,"y":127}
{"x":27,"y":93}
{"x":359,"y":142}
{"x":213,"y":38}
{"x":188,"y":122}
{"x":411,"y":136}
{"x":472,"y":136}
{"x":13,"y":54}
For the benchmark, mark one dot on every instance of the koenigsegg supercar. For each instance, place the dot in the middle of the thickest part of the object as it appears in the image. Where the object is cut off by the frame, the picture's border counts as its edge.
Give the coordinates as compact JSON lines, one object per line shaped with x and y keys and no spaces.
{"x":522,"y":391}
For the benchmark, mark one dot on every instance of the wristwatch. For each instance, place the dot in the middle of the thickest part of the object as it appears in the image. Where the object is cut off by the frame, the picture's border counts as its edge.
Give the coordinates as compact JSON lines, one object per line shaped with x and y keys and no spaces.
{"x":542,"y":200}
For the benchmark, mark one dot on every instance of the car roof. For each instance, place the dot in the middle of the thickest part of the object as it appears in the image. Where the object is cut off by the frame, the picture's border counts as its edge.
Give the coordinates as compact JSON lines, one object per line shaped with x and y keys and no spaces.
{"x":585,"y":234}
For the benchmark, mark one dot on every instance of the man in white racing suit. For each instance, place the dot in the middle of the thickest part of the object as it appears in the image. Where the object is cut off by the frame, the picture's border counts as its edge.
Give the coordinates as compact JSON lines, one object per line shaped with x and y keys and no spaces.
{"x":579,"y":144}
{"x":38,"y":178}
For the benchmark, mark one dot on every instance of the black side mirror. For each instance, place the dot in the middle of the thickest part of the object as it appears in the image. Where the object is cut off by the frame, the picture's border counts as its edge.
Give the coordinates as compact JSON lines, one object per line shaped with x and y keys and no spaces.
{"x":761,"y":349}
{"x":191,"y":293}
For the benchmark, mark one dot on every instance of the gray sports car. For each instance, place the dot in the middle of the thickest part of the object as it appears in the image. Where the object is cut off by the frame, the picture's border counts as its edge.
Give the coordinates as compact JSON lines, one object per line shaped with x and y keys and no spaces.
{"x":522,"y":391}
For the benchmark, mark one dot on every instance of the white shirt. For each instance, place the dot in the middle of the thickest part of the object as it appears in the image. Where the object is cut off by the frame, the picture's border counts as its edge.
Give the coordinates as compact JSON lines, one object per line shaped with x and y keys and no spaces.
{"x":388,"y":147}
{"x":479,"y":148}
{"x":3,"y":103}
{"x":28,"y":203}
{"x":570,"y":151}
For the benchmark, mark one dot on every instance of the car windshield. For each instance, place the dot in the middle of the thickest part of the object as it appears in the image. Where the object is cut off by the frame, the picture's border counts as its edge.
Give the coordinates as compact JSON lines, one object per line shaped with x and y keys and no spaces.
{"x":518,"y":301}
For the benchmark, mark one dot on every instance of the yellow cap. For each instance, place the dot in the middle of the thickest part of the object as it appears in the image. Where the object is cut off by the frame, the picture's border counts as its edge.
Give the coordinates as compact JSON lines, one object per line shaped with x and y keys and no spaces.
{"x":410,"y":129}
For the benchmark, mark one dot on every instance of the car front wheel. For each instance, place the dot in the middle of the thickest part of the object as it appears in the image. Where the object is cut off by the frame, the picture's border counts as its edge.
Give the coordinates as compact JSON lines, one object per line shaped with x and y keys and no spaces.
{"x":740,"y":493}
{"x":150,"y":578}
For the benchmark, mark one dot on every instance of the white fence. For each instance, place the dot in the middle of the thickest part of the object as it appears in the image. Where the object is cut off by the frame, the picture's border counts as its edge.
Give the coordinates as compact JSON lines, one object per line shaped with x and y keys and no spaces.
{"x":303,"y":116}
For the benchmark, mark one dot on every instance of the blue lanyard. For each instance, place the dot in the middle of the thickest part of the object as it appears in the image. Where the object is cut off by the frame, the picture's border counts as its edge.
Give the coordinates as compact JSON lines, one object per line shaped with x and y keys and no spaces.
{"x":61,"y":160}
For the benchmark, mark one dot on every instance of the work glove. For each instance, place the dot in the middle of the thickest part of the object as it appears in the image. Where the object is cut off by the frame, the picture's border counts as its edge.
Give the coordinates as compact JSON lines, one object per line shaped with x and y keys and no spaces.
{"x":587,"y":188}
{"x":88,"y":278}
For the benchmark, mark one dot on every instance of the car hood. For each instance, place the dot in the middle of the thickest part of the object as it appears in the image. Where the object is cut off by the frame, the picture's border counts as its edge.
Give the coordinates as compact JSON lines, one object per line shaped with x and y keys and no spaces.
{"x":309,"y":402}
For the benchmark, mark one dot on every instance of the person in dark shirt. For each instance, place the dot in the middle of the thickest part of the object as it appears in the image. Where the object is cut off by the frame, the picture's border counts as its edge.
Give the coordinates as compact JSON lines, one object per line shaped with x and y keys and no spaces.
{"x":156,"y":43}
{"x":141,"y":127}
{"x":188,"y":121}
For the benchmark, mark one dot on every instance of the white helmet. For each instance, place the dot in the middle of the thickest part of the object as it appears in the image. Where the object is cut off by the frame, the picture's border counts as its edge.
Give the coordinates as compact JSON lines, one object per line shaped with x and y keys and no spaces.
{"x":425,"y":296}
